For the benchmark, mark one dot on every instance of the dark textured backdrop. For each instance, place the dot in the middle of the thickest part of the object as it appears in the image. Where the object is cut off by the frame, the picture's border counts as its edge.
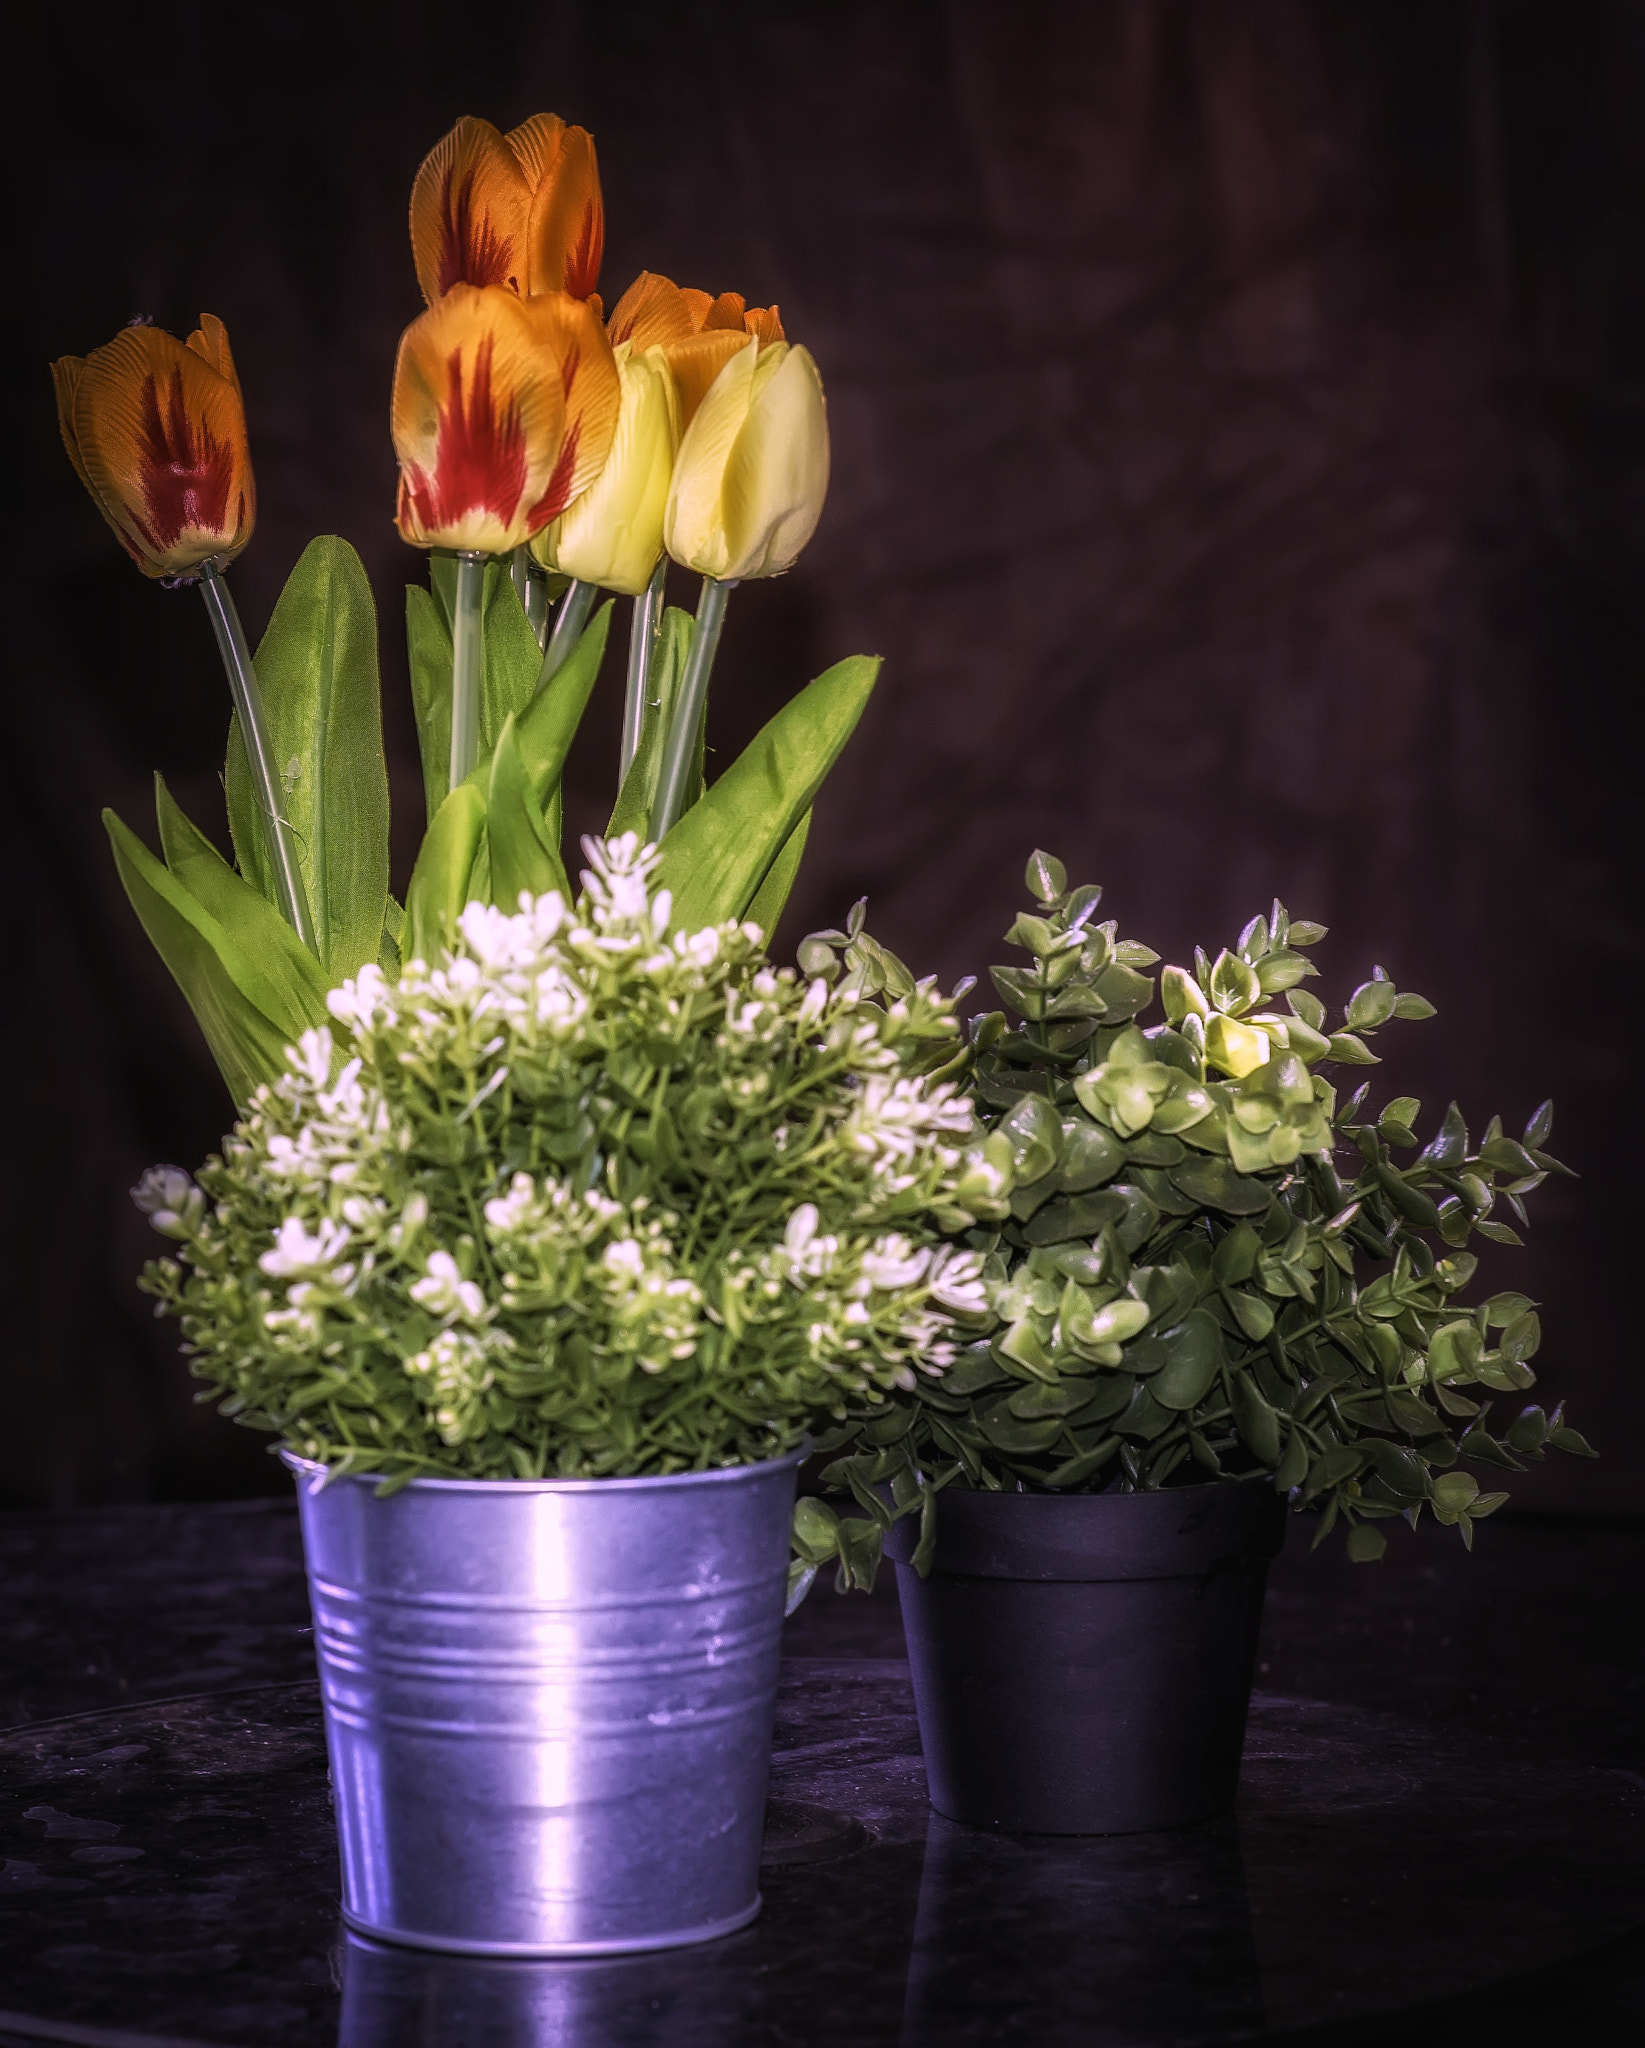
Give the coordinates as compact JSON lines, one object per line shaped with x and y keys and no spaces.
{"x":1238,"y":430}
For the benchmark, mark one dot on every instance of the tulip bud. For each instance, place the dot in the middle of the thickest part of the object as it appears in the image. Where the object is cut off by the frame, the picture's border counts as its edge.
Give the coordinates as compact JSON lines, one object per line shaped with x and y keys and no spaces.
{"x":156,"y":431}
{"x":521,"y":210}
{"x":752,"y":471}
{"x":613,"y":534}
{"x":699,"y":333}
{"x":504,"y":411}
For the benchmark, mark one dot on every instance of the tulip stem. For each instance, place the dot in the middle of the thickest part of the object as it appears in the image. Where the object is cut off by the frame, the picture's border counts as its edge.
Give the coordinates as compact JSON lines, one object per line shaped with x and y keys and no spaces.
{"x":467,"y":658}
{"x":289,"y":893}
{"x":569,"y":622}
{"x":536,"y":601}
{"x":680,"y":751}
{"x":519,"y":570}
{"x":643,"y":633}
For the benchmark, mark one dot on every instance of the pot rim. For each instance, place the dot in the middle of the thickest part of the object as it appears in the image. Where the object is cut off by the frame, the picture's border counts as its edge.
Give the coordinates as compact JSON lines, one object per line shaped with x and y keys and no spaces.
{"x":317,"y":1477}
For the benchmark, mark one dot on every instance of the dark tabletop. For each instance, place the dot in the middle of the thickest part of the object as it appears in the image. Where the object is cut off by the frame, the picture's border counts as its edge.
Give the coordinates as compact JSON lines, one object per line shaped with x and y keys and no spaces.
{"x":1441,"y":1834}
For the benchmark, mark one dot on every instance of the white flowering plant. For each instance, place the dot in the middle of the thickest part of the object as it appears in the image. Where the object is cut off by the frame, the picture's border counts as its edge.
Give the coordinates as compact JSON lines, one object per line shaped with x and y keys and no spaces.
{"x":589,"y":1197}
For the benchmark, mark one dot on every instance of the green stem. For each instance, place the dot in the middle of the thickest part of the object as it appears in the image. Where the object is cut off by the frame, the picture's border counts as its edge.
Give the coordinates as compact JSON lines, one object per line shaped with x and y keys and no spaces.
{"x":536,"y":601}
{"x":467,"y":656}
{"x":289,"y":892}
{"x":643,"y":632}
{"x":569,"y":622}
{"x":519,"y":572}
{"x":689,"y":703}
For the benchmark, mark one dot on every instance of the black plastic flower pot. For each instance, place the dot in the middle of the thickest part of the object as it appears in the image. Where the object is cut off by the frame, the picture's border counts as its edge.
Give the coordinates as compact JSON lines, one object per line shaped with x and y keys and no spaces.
{"x":1082,"y":1662}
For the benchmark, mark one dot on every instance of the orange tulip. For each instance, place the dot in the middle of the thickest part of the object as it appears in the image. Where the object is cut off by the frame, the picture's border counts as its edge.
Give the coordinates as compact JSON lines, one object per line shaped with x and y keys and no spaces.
{"x":521,"y":210}
{"x":156,"y":431}
{"x":699,"y":333}
{"x":503,"y":413}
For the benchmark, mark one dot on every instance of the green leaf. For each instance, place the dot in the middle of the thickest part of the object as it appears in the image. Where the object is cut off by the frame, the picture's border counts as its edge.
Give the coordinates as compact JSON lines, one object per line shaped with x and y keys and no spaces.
{"x":1414,"y":1008}
{"x":428,"y":646}
{"x":1090,"y":1156}
{"x":548,"y":725}
{"x":772,"y":896}
{"x":1214,"y":1184}
{"x":1033,"y":1130}
{"x":207,"y":965}
{"x":1046,"y":877}
{"x":1256,"y":1420}
{"x":290,"y":971}
{"x":1352,"y":1051}
{"x":317,"y":671}
{"x":1371,"y":1004}
{"x":1366,"y":1543}
{"x":1193,"y":1356}
{"x":439,"y":882}
{"x":523,"y":857}
{"x":1075,"y":1471}
{"x":719,"y":853}
{"x":639,"y":790}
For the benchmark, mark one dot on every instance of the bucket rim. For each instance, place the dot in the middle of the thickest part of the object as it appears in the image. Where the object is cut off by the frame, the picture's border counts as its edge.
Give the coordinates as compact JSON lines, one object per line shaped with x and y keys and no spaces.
{"x":316,"y":1477}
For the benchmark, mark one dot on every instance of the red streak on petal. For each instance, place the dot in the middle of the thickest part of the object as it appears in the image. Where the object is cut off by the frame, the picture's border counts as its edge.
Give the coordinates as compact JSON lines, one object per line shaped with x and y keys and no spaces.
{"x":582,"y":262}
{"x":558,"y":492}
{"x":569,"y":368}
{"x":470,"y":251}
{"x":479,"y":452}
{"x":184,"y":472}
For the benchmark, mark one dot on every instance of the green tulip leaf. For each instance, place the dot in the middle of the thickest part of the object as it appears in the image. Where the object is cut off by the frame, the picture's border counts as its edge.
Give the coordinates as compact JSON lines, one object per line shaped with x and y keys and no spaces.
{"x":220,"y":981}
{"x":317,"y":672}
{"x":717,"y":855}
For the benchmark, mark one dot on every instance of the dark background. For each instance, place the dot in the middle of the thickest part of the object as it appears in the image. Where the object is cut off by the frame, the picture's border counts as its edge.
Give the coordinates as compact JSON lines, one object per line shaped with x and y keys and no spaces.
{"x":1238,"y":416}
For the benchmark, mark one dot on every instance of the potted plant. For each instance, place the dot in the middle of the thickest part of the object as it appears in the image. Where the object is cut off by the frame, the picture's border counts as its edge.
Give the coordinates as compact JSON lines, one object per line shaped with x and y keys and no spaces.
{"x":541,"y":1273}
{"x":1220,"y":1289}
{"x":548,"y":1228}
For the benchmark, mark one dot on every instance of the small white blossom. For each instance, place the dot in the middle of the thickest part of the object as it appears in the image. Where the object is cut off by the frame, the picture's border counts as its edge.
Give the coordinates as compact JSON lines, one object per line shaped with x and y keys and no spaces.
{"x":444,"y":1292}
{"x":297,"y":1251}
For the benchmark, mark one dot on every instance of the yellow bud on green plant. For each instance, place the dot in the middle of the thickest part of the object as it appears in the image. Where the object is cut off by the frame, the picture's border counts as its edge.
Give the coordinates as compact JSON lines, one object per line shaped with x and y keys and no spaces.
{"x":1236,"y":1048}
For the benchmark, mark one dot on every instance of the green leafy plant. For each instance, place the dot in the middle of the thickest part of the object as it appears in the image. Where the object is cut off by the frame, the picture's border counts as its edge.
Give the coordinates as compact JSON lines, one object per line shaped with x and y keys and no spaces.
{"x":253,"y":983}
{"x":587,"y":1198}
{"x":1212,"y":1268}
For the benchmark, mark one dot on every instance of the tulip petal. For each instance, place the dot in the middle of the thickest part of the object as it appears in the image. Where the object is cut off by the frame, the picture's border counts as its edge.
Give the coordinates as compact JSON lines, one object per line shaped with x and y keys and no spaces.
{"x":565,"y":234}
{"x":692,"y":527}
{"x":160,"y":438}
{"x":653,"y":310}
{"x":765,"y":323}
{"x":570,"y":330}
{"x":478,"y":420}
{"x":613,"y":533}
{"x":210,"y":341}
{"x":777,"y":475}
{"x":726,"y":311}
{"x":470,"y":212}
{"x":504,"y":410}
{"x":66,"y":373}
{"x":697,"y":362}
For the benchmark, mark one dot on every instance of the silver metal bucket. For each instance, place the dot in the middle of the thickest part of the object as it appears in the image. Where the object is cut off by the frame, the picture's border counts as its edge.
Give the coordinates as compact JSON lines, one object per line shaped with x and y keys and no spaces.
{"x":548,"y":1703}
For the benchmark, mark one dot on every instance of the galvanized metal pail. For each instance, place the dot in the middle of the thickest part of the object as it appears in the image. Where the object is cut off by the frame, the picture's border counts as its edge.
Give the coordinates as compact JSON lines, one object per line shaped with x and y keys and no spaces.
{"x":548,"y":1703}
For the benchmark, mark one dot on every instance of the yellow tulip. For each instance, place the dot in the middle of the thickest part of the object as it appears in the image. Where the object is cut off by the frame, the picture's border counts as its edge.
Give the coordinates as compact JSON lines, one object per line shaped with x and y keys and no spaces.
{"x":503,"y":412}
{"x":156,"y":431}
{"x":521,"y":210}
{"x":752,"y":471}
{"x":613,"y":534}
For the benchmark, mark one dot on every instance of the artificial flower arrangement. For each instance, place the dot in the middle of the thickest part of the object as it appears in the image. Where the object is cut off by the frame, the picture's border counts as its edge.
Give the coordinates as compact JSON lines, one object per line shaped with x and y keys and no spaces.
{"x":545,"y":454}
{"x":553,"y":1218}
{"x":1190,"y":1284}
{"x":591,"y":1197}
